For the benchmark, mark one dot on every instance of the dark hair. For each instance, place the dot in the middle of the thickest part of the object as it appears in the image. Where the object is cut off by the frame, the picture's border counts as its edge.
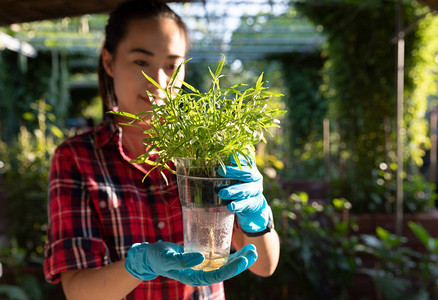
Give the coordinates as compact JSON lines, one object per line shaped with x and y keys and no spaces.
{"x":115,"y":31}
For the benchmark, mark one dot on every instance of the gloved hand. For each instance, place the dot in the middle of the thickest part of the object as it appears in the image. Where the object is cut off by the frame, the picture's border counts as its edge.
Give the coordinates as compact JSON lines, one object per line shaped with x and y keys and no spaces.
{"x":147,"y":261}
{"x":248,"y":202}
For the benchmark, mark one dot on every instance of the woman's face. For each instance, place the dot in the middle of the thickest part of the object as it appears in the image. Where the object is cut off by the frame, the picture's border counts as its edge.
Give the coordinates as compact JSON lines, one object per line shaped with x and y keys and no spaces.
{"x":155,"y":46}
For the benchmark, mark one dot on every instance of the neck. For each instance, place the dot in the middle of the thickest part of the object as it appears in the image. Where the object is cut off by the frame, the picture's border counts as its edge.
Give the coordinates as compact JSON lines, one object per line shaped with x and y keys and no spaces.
{"x":132,"y":140}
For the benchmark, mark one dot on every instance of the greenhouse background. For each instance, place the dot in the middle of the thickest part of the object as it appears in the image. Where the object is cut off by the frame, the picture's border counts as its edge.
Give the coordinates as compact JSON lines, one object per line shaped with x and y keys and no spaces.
{"x":330,"y":171}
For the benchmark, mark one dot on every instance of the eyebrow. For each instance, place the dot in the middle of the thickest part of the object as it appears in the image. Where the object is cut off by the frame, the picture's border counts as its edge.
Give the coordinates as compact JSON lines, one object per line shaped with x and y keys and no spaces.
{"x":149,"y":53}
{"x":144,"y":51}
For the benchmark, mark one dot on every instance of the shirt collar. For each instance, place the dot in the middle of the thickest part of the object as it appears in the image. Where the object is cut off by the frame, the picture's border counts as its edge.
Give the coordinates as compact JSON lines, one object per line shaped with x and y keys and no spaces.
{"x":106,"y":131}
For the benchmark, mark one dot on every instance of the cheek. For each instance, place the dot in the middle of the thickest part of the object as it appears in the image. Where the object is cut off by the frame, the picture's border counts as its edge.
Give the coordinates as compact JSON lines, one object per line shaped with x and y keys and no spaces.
{"x":128,"y":79}
{"x":124,"y":86}
{"x":126,"y":71}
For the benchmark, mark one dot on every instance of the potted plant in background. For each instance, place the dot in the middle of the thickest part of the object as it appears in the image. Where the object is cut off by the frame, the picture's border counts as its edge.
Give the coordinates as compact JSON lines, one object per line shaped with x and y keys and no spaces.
{"x":198,"y":132}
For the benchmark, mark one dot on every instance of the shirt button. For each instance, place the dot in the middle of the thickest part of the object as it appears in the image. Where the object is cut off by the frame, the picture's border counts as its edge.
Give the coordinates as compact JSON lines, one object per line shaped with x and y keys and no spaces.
{"x":161,"y":225}
{"x":152,"y":188}
{"x":102,"y":204}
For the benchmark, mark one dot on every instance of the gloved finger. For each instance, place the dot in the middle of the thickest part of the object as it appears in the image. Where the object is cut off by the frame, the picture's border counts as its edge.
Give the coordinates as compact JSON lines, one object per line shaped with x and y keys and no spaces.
{"x":170,"y":256}
{"x":177,"y":261}
{"x":245,"y":174}
{"x":236,"y":265}
{"x":243,"y":250}
{"x":256,"y":223}
{"x":249,"y":205}
{"x":201,"y":278}
{"x":240,"y":191}
{"x":188,"y":276}
{"x":192,"y":259}
{"x":238,"y":262}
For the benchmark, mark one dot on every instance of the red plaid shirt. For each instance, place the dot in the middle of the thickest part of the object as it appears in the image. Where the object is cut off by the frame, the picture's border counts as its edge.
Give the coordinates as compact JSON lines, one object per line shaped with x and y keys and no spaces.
{"x":99,"y":206}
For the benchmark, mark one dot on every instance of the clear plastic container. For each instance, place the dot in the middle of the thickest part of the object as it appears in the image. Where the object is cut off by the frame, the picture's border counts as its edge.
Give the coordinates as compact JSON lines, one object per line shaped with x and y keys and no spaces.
{"x":208,"y":225}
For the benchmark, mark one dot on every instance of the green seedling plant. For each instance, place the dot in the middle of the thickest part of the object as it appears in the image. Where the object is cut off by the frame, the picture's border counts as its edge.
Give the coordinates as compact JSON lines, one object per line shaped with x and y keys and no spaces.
{"x":205,"y":126}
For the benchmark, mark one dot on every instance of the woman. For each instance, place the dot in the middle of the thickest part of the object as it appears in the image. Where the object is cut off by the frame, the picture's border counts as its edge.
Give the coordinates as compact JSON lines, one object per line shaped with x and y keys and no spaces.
{"x":111,"y":235}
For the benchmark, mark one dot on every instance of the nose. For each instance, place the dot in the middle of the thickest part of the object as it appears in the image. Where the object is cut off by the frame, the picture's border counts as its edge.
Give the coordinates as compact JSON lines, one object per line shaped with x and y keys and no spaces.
{"x":160,"y":76}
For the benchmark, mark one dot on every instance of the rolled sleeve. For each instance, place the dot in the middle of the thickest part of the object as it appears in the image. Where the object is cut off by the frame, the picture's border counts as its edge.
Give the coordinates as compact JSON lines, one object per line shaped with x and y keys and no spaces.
{"x":73,"y":254}
{"x":74,"y":239}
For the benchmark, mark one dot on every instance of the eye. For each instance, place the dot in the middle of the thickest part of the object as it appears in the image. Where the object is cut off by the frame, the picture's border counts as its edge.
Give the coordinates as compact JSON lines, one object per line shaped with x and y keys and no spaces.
{"x":171,"y":67}
{"x":141,"y":63}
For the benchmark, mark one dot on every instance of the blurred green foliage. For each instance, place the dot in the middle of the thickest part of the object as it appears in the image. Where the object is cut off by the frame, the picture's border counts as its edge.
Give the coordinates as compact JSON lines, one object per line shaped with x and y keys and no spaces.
{"x":351,"y":81}
{"x":23,"y":277}
{"x":359,"y":87}
{"x":317,"y":246}
{"x":26,"y":163}
{"x":317,"y":258}
{"x":307,"y":109}
{"x":19,"y":87}
{"x":400,"y":272}
{"x":323,"y":253}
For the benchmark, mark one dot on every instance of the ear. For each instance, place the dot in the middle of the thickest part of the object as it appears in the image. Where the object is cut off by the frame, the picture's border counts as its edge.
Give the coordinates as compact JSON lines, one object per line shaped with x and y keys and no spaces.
{"x":107,"y":61}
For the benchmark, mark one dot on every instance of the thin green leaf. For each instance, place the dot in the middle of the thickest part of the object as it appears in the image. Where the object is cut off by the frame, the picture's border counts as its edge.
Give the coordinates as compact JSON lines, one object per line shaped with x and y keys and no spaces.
{"x":168,"y":168}
{"x":212,"y":75}
{"x":220,"y":66}
{"x":131,"y":124}
{"x":259,"y":81}
{"x":124,"y":114}
{"x":175,"y":74}
{"x":146,"y":175}
{"x":190,"y":87}
{"x":151,"y":80}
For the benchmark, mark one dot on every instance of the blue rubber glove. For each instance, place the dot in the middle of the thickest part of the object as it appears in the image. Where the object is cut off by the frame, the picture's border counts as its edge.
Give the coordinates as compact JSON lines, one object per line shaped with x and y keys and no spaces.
{"x":247,"y":200}
{"x":147,"y":261}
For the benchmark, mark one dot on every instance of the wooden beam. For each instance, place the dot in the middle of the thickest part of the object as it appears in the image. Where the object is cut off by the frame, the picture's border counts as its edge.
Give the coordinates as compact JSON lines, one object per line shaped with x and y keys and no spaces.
{"x":20,"y":11}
